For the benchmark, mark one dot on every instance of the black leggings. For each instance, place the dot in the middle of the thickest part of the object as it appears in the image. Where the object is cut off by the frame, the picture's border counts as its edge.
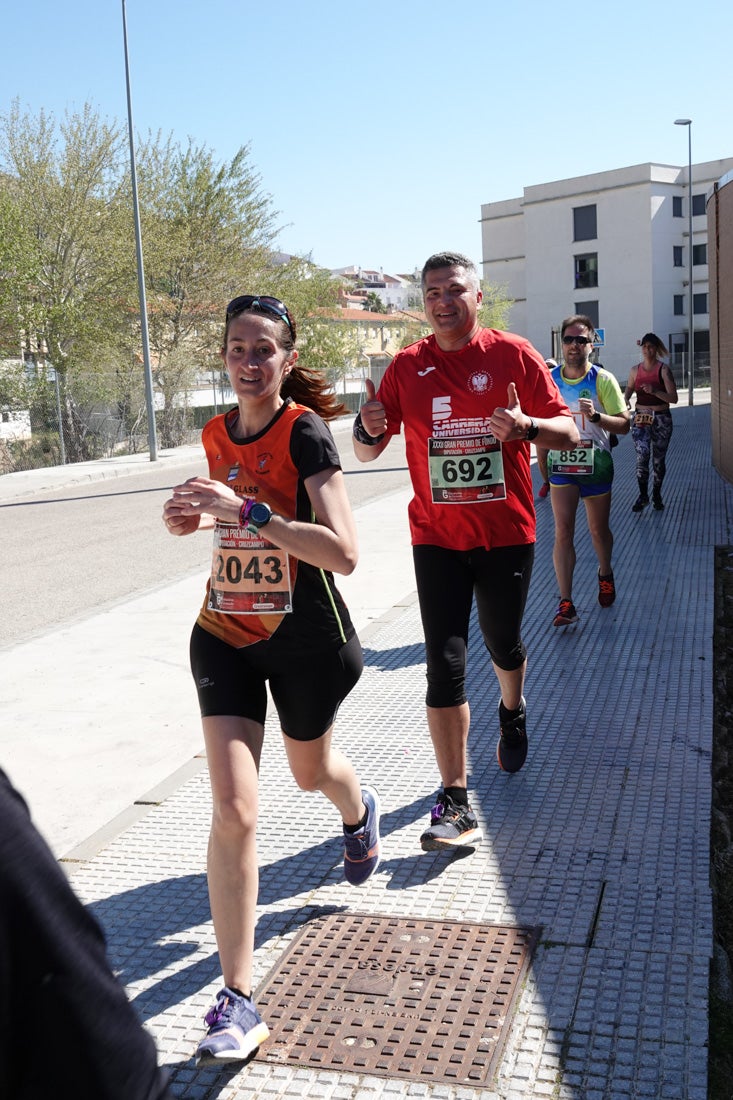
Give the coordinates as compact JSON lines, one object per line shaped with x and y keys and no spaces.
{"x":447,"y":581}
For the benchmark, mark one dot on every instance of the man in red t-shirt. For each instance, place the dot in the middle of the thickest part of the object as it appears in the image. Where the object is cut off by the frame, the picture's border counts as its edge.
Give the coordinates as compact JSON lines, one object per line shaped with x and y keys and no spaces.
{"x":470,"y":400}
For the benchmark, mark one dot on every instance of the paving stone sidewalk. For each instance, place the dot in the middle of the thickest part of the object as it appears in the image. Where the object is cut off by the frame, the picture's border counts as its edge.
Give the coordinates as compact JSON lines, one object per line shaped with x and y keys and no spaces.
{"x":602,"y":839}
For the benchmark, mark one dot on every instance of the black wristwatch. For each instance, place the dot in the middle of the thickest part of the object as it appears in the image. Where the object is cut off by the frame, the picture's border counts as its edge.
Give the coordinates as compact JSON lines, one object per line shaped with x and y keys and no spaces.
{"x":595,"y":418}
{"x":260,"y":514}
{"x":532,"y":431}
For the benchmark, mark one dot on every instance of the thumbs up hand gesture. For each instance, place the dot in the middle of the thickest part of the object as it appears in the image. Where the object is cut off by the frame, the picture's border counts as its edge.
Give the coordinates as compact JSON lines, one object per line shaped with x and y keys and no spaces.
{"x":373,"y":416}
{"x":510,"y":423}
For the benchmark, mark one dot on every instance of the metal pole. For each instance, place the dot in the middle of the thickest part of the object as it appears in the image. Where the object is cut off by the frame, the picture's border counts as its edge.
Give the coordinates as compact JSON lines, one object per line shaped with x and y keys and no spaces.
{"x":691,"y":373}
{"x":149,"y":398}
{"x":60,"y":418}
{"x":691,"y":301}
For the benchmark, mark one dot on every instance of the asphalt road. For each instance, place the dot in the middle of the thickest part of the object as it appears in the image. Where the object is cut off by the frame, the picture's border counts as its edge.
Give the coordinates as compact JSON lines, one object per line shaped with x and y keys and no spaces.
{"x":68,"y":553}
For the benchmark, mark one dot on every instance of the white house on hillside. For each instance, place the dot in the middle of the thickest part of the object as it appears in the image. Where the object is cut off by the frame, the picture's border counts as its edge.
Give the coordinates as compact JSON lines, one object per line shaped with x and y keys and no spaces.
{"x":398,"y":292}
{"x":613,"y":245}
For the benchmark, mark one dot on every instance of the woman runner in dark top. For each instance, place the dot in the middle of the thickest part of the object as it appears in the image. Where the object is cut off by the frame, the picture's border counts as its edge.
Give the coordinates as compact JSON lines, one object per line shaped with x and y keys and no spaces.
{"x":651,"y":427}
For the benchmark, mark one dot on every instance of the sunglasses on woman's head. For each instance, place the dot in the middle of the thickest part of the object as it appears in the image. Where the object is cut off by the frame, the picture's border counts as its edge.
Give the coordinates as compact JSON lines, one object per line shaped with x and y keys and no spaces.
{"x":261,"y":301}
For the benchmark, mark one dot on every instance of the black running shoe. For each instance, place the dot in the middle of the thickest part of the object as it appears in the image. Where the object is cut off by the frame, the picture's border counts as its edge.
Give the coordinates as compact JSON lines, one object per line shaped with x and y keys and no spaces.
{"x":511,"y":751}
{"x":640,"y":503}
{"x":451,"y":826}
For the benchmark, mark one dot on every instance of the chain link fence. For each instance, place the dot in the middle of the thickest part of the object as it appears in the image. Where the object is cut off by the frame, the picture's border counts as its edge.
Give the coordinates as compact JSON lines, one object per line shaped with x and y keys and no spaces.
{"x":701,"y":370}
{"x":49,"y":421}
{"x":54,"y":422}
{"x":46,"y":420}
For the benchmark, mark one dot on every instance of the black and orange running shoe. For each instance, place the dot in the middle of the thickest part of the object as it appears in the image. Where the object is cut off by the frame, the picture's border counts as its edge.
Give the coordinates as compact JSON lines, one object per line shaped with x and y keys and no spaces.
{"x":566,"y":614}
{"x":606,"y":590}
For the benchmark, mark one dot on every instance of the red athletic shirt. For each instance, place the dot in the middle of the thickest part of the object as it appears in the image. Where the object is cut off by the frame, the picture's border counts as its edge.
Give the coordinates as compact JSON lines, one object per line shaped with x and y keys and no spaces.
{"x":470,"y":490}
{"x":643,"y":377}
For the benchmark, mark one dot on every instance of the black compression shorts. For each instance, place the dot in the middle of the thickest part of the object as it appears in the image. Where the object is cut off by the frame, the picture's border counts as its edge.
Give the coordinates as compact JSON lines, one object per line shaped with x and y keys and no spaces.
{"x":307,"y":692}
{"x":447,"y":581}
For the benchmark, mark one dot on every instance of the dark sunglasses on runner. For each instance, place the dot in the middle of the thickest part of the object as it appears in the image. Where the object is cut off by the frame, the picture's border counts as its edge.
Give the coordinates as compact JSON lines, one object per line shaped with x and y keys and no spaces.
{"x":263,"y":301}
{"x":582,"y":340}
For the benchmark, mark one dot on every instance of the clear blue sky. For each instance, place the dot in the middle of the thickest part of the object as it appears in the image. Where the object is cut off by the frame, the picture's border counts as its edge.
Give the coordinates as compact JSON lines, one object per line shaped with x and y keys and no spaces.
{"x":378,"y":129}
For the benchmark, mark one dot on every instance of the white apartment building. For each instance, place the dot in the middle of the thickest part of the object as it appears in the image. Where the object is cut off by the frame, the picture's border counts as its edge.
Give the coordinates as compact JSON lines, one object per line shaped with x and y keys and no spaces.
{"x":398,"y":292}
{"x":613,"y":245}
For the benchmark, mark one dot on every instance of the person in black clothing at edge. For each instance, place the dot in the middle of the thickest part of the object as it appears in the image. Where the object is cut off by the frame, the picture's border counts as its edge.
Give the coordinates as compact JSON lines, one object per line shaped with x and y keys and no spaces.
{"x":67,"y":1028}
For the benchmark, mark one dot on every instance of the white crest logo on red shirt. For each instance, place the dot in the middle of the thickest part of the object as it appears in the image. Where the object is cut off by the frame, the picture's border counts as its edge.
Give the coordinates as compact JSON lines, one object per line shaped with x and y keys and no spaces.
{"x":480,"y":382}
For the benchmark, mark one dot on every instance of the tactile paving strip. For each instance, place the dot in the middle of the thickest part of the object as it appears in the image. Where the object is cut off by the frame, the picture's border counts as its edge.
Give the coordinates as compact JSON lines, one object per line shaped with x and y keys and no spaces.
{"x":424,"y":999}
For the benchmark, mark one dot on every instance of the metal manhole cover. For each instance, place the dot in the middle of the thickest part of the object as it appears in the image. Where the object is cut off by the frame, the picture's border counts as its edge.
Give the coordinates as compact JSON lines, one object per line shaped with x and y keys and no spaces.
{"x":428,"y":1000}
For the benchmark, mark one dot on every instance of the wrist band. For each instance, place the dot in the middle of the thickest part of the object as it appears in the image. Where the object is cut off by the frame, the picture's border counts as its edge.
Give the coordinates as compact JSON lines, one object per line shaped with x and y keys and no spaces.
{"x":245,"y":510}
{"x":361,"y":435}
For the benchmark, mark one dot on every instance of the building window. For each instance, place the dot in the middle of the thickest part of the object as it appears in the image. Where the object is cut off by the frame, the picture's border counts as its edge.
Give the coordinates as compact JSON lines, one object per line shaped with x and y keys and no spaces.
{"x":676,"y":206}
{"x":700,"y":303}
{"x":699,"y":253}
{"x":590,"y":309}
{"x":702,"y":343}
{"x":584,"y":223}
{"x":679,"y":305}
{"x":698,"y":205}
{"x":677,"y":253}
{"x":586,"y":270}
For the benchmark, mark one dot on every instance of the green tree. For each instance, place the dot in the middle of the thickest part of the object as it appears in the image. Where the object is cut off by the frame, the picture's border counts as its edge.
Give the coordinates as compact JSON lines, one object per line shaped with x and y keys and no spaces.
{"x":414,"y":330}
{"x":69,"y":293}
{"x":63,"y":183}
{"x":208,"y":229}
{"x":374,"y":303}
{"x":494,"y":308}
{"x":17,"y":273}
{"x":312,"y":296}
{"x":16,"y":389}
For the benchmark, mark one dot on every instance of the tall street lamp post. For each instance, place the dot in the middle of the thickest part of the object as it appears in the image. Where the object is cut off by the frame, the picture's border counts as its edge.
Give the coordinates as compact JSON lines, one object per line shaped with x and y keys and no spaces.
{"x":691,"y":337}
{"x":149,"y":393}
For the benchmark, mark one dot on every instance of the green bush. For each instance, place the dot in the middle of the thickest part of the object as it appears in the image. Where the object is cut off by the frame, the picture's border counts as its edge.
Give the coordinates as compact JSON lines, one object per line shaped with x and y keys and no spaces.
{"x":33,"y":454}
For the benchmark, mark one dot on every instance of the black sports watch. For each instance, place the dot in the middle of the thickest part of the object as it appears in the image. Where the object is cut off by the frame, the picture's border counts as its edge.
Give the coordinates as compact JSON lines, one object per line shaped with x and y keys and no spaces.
{"x":532,"y":431}
{"x":260,"y":514}
{"x":595,"y":418}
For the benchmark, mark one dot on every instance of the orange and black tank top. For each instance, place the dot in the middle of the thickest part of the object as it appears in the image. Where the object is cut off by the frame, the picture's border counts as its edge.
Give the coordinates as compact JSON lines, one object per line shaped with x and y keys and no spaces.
{"x":272,"y":467}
